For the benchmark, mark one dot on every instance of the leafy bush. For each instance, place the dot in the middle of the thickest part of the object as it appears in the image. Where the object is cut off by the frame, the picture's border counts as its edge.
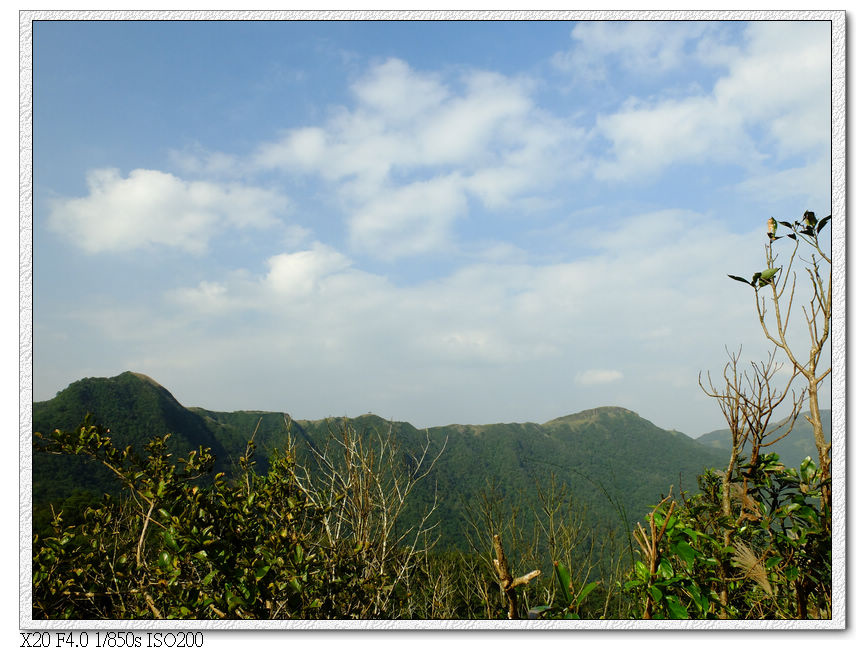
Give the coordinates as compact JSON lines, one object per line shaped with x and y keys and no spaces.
{"x":185,"y":545}
{"x":778,"y":564}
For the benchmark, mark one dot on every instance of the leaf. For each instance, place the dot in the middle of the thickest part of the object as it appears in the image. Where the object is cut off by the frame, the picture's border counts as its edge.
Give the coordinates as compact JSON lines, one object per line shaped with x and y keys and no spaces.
{"x":538,"y":611}
{"x":165,"y":560}
{"x":823,"y":222}
{"x":807,"y":470}
{"x":170,"y":540}
{"x":209,"y":577}
{"x":684,"y":551}
{"x":697,"y":597}
{"x":585,"y":591}
{"x":786,"y":223}
{"x":807,"y":512}
{"x":564,"y":581}
{"x":677,"y":610}
{"x":232,"y":599}
{"x":665,"y":569}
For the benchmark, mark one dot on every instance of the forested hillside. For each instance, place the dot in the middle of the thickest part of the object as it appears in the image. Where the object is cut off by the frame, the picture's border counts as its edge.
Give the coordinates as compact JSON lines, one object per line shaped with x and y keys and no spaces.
{"x":365,"y":518}
{"x":612,"y":462}
{"x":134,"y":408}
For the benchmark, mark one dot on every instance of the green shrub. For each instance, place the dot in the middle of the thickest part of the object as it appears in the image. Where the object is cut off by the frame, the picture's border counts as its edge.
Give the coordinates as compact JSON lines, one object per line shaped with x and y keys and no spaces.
{"x":184,"y":544}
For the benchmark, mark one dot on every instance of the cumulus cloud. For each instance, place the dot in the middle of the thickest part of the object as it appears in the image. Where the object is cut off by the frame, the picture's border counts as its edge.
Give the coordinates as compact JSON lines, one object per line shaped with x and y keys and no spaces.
{"x":413,"y":150}
{"x":298,"y":274}
{"x":393,"y":91}
{"x":777,"y":82}
{"x":155,"y":208}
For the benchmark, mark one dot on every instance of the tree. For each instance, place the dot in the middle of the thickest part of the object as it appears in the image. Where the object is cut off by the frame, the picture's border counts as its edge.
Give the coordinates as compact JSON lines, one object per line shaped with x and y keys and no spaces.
{"x":748,"y":401}
{"x":752,"y":543}
{"x":775,"y":317}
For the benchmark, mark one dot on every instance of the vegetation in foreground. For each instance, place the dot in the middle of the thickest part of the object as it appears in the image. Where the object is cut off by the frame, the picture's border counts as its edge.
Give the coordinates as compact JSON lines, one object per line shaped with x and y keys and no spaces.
{"x":328,"y":541}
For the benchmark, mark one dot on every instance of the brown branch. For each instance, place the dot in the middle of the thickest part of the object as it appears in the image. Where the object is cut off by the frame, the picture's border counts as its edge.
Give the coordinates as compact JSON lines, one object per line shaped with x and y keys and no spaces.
{"x":506,"y":580}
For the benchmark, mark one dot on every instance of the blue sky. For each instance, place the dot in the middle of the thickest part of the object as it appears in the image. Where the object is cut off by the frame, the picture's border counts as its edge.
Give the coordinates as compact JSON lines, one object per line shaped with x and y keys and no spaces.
{"x":436,"y":221}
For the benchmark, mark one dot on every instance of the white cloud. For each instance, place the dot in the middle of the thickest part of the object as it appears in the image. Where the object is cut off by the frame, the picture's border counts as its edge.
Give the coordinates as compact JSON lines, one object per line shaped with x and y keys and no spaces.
{"x":782,"y":79}
{"x":646,"y":138}
{"x":778,"y":82}
{"x":487,"y":119}
{"x":504,"y":312}
{"x":396,"y":93}
{"x":152,"y":207}
{"x":808,"y":183}
{"x":411,"y":219}
{"x":408,"y":156}
{"x":301,"y":149}
{"x":299,"y":274}
{"x":598,"y":376}
{"x":648,"y":47}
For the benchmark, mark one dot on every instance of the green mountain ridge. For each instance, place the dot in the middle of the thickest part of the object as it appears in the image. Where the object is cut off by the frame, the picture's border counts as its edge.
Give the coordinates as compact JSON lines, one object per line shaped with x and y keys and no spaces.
{"x":134,"y":408}
{"x":610,"y":459}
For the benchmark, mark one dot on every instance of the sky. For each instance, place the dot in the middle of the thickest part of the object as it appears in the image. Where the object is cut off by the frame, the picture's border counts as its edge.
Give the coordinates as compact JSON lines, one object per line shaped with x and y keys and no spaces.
{"x":438,"y":222}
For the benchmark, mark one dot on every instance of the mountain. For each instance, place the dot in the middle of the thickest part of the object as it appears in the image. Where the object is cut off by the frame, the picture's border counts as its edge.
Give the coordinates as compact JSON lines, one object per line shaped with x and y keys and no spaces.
{"x":134,"y":408}
{"x":611,"y":461}
{"x":792,"y":448}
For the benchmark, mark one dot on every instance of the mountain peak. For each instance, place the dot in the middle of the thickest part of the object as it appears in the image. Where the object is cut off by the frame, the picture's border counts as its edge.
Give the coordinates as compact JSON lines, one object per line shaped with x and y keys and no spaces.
{"x":592,"y":414}
{"x":143,"y":377}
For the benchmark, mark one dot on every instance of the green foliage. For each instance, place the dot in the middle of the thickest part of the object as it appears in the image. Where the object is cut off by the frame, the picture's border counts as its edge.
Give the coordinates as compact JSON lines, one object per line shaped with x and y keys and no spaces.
{"x":180,"y":547}
{"x":302,"y":538}
{"x":134,"y":409}
{"x":568,"y":605}
{"x":777,"y":564}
